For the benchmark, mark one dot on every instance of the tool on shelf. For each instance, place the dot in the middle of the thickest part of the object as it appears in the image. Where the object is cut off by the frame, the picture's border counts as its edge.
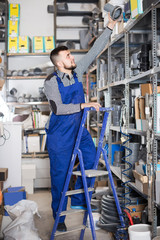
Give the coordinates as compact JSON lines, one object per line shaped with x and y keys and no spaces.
{"x":88,"y":173}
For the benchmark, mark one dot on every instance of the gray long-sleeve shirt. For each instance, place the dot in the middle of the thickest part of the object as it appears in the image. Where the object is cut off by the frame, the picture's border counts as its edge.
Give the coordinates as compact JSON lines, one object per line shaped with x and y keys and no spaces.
{"x":51,"y":86}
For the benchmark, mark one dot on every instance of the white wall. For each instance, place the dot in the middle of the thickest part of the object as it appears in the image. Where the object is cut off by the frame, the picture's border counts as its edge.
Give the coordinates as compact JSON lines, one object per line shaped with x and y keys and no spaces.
{"x":36,"y":21}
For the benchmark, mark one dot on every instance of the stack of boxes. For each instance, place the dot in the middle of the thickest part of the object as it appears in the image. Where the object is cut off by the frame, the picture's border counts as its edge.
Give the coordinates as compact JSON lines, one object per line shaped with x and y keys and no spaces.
{"x":3,"y":176}
{"x":22,"y":44}
{"x":28,"y":176}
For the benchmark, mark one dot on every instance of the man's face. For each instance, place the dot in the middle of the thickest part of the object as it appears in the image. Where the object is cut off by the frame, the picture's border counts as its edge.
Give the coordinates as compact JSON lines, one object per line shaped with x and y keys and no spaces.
{"x":67,"y":60}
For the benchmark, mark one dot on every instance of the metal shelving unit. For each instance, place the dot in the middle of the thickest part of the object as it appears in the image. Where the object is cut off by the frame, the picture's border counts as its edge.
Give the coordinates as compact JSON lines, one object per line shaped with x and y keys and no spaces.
{"x":71,"y":14}
{"x":152,"y":75}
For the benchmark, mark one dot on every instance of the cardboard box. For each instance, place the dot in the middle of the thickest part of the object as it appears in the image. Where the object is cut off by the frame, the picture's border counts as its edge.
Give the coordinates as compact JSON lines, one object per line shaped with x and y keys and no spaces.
{"x":2,"y":81}
{"x":14,"y":11}
{"x":28,"y":171}
{"x":158,"y":113}
{"x":1,"y":185}
{"x":13,"y":195}
{"x":33,"y":143}
{"x":147,"y":88}
{"x":136,"y":8}
{"x":38,"y":44}
{"x":158,"y":187}
{"x":102,"y":183}
{"x":13,"y":28}
{"x":49,"y":43}
{"x":12,"y":44}
{"x":3,"y":174}
{"x":141,"y":182}
{"x":141,"y":122}
{"x":24,"y":44}
{"x":29,"y":185}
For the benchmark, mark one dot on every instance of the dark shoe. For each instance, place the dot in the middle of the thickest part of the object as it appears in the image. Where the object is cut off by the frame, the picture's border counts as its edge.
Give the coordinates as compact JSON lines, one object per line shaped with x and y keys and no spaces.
{"x":84,"y":207}
{"x":61,"y":227}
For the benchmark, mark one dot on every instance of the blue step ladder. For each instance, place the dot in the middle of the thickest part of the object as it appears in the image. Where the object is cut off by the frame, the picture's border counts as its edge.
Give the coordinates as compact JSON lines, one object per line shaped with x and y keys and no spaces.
{"x":92,"y":173}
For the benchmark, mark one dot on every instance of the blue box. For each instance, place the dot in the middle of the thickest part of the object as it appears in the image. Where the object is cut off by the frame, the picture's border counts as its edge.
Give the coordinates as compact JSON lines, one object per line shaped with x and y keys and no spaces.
{"x":13,"y":195}
{"x":115,"y":147}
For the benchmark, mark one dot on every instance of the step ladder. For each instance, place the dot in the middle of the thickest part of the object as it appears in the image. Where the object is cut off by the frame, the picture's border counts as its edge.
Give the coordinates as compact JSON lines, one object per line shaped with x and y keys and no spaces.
{"x":84,"y":174}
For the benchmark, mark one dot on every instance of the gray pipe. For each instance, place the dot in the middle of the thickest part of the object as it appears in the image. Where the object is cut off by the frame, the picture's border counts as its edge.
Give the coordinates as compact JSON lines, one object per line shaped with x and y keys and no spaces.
{"x":115,"y":11}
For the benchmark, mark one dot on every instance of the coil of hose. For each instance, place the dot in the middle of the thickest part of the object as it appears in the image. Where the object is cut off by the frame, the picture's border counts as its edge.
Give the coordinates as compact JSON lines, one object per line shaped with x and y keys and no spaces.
{"x":109,"y":219}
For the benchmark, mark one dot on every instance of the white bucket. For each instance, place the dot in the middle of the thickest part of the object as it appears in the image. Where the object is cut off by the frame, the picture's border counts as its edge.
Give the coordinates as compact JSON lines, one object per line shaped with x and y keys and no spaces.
{"x":139,"y":232}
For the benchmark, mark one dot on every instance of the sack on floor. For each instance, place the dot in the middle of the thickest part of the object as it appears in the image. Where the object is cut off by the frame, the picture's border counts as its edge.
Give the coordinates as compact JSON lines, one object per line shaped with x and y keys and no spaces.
{"x":22,"y":226}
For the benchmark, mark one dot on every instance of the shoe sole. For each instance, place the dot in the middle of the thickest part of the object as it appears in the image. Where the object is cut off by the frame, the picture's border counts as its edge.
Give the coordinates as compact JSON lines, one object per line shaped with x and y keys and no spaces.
{"x":81,"y":208}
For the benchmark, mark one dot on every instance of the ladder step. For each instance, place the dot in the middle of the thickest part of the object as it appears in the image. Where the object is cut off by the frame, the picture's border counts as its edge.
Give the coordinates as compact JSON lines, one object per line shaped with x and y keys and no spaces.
{"x":91,"y":173}
{"x":70,"y":230}
{"x":71,"y":211}
{"x":77,"y":191}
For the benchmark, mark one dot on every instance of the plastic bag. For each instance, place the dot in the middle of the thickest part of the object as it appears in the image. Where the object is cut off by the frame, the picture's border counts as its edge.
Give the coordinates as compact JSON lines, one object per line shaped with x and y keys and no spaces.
{"x":22,"y":226}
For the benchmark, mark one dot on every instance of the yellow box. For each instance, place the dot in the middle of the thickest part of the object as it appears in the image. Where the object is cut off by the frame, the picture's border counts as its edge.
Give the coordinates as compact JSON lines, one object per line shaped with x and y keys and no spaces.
{"x":38,"y":45}
{"x":14,"y":11}
{"x":13,"y":44}
{"x":13,"y":28}
{"x":24,"y":44}
{"x":49,"y":43}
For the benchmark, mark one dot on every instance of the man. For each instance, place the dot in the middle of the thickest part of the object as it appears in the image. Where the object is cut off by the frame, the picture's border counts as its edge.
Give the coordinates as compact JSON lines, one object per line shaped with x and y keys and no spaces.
{"x":64,"y":91}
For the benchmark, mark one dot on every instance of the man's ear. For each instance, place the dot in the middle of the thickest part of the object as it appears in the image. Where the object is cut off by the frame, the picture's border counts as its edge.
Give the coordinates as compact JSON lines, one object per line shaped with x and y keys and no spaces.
{"x":59,"y":64}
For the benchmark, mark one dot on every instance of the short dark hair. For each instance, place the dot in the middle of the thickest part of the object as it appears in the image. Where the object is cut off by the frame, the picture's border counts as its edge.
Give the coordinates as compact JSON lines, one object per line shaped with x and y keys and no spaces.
{"x":54,"y":53}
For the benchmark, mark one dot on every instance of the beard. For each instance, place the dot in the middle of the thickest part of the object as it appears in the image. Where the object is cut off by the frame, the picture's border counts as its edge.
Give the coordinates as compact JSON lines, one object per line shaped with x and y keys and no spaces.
{"x":72,"y":67}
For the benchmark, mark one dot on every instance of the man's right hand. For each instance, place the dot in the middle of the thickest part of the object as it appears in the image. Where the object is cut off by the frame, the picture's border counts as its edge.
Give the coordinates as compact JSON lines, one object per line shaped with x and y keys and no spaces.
{"x":91,"y":104}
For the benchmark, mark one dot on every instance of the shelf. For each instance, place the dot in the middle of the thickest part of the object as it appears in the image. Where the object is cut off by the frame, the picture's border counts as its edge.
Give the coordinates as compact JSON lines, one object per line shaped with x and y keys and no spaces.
{"x":26,"y":103}
{"x":64,"y":40}
{"x":27,"y":54}
{"x":78,"y":1}
{"x":73,"y":13}
{"x":29,"y":77}
{"x":62,"y":27}
{"x":35,"y":155}
{"x":117,"y":172}
{"x":128,"y":131}
{"x":92,"y":69}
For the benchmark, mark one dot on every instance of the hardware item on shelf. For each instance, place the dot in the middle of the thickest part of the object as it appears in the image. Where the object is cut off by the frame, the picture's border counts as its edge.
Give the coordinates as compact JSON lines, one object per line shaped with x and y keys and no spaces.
{"x":2,"y":35}
{"x":144,"y":57}
{"x":133,"y":158}
{"x":61,"y":7}
{"x":38,"y":45}
{"x":14,"y":73}
{"x":11,"y":97}
{"x":116,"y":115}
{"x":117,"y":158}
{"x":103,"y":74}
{"x":115,"y":11}
{"x":49,"y":43}
{"x":13,"y":28}
{"x":94,"y":28}
{"x":136,"y":8}
{"x":25,"y":73}
{"x":24,"y":44}
{"x":12,"y":44}
{"x":14,"y":11}
{"x":135,"y":64}
{"x":69,"y":44}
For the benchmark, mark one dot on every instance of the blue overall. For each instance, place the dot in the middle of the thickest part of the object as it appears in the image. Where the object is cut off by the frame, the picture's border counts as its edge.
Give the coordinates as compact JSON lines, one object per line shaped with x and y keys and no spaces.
{"x":61,"y":137}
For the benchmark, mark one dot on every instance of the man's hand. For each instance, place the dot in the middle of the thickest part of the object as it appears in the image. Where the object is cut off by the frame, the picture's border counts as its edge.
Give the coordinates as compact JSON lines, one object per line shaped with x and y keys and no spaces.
{"x":111,"y":23}
{"x":91,"y":104}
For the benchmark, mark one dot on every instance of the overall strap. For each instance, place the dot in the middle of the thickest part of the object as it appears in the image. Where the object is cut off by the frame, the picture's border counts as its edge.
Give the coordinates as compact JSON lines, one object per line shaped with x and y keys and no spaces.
{"x":75,"y":77}
{"x":58,"y":78}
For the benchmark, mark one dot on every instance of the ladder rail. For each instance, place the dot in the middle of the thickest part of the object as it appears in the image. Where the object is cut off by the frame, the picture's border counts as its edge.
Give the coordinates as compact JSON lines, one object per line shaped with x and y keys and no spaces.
{"x":88,"y":195}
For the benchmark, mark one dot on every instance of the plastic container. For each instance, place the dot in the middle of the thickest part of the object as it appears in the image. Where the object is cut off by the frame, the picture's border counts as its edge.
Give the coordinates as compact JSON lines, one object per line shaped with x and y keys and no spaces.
{"x":139,"y":232}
